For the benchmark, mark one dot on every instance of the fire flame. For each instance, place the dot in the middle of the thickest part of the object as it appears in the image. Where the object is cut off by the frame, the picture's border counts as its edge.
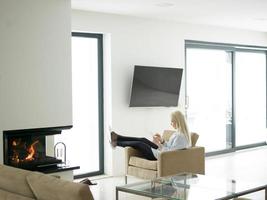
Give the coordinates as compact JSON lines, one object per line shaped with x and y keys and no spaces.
{"x":31,"y":151}
{"x":14,"y":143}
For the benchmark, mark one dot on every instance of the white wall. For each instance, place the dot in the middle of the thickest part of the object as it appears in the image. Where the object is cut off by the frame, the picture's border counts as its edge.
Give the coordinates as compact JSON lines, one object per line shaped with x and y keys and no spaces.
{"x":35,"y":64}
{"x":147,"y":42}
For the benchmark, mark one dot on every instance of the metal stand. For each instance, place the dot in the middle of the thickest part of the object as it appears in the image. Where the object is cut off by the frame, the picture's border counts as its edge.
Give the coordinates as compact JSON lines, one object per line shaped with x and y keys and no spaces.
{"x":60,"y":151}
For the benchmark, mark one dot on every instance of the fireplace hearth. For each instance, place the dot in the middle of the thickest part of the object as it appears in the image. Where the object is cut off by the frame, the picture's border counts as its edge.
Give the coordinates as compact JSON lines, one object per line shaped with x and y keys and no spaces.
{"x":26,"y":148}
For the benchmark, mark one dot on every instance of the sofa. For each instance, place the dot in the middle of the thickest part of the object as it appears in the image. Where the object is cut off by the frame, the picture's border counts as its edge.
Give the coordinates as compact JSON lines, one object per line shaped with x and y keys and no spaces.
{"x":19,"y":184}
{"x":191,"y":160}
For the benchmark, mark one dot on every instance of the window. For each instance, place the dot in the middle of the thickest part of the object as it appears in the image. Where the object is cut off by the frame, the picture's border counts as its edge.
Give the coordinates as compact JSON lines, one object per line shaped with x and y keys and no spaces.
{"x":209,"y":96}
{"x":85,"y":140}
{"x":250,"y":101}
{"x":226,"y":95}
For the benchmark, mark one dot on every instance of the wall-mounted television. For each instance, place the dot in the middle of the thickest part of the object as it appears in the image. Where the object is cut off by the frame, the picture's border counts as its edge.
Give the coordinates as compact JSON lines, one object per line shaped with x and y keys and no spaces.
{"x":155,"y":86}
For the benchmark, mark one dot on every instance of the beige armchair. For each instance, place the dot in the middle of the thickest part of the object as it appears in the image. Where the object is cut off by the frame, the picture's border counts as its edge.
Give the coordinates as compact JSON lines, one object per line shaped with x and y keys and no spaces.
{"x":190,"y":160}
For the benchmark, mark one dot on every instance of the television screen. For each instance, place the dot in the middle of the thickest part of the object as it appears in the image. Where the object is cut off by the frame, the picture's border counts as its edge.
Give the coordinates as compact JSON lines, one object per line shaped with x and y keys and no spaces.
{"x":155,"y":86}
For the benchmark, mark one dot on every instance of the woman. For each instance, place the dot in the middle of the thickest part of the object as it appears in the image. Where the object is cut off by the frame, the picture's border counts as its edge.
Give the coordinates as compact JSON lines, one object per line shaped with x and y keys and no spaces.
{"x":180,"y":139}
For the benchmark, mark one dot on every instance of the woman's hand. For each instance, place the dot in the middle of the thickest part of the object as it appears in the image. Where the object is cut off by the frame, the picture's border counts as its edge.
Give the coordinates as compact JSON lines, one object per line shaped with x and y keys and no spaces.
{"x":157,"y":139}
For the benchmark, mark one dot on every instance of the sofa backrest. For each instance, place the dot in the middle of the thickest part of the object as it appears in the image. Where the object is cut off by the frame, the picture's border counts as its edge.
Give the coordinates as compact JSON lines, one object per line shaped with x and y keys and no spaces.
{"x":14,"y":180}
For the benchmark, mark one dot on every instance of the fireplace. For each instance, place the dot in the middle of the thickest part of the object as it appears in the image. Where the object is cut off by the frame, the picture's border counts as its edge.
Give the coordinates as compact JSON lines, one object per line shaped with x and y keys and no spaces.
{"x":26,"y":148}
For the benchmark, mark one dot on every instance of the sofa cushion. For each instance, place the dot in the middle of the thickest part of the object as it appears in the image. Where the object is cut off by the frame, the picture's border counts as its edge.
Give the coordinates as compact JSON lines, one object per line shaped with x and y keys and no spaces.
{"x":142,"y":173}
{"x":14,"y":180}
{"x":47,"y":187}
{"x":4,"y":195}
{"x":143,"y":163}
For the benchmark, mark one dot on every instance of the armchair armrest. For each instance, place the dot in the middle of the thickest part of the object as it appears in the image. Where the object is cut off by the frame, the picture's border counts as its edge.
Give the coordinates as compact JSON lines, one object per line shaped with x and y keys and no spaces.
{"x":129,"y":151}
{"x":190,"y":160}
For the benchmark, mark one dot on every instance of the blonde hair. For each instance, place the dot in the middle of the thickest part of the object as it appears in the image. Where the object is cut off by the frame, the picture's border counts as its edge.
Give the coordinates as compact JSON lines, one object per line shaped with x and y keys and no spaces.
{"x":178,"y":118}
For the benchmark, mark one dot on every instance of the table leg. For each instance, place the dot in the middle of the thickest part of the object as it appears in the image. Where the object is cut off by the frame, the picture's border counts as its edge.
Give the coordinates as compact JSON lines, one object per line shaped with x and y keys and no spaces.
{"x":265,"y":193}
{"x":117,"y":194}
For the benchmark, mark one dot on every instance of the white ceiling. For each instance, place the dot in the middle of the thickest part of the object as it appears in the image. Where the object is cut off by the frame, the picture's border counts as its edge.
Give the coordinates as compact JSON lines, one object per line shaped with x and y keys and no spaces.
{"x":245,"y":14}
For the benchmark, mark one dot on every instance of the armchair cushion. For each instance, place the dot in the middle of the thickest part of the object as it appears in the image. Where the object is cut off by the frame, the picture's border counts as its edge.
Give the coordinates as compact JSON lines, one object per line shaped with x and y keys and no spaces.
{"x":143,"y":163}
{"x":142,"y":173}
{"x":194,"y":138}
{"x":167,"y":134}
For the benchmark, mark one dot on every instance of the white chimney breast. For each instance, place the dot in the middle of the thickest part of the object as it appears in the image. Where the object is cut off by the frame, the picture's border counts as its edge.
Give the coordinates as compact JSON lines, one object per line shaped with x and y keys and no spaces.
{"x":35,"y":65}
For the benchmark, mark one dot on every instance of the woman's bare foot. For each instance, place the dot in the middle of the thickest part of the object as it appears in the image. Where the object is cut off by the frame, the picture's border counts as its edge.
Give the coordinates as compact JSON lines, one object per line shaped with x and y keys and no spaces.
{"x":114,"y":138}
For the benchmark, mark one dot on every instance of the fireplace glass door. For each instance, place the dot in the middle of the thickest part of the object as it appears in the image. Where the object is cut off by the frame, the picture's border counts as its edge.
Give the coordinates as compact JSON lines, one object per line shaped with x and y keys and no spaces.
{"x":26,"y":149}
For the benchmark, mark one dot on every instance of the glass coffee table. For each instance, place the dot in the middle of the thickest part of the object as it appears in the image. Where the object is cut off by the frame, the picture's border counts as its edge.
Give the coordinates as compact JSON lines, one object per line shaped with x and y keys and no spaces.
{"x":187,"y":186}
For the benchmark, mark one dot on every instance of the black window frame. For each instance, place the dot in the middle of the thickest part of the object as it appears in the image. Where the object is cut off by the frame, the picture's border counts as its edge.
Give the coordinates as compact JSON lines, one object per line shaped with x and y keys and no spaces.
{"x":99,"y":38}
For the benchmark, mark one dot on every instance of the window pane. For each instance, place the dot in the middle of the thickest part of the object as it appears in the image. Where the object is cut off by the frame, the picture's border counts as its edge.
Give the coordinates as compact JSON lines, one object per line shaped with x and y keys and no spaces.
{"x":209,"y":90}
{"x":82,"y":140}
{"x":250,"y":101}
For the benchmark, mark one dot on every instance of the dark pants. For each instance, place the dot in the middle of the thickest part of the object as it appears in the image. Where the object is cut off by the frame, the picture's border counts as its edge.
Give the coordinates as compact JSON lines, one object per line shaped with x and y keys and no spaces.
{"x":141,"y":144}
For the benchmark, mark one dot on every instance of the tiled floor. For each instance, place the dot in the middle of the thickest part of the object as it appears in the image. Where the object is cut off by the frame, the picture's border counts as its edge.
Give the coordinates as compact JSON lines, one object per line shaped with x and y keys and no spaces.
{"x":247,"y":164}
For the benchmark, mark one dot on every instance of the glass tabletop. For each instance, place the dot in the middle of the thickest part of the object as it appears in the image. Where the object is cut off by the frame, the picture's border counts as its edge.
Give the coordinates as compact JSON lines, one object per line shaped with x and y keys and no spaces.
{"x":193,"y":186}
